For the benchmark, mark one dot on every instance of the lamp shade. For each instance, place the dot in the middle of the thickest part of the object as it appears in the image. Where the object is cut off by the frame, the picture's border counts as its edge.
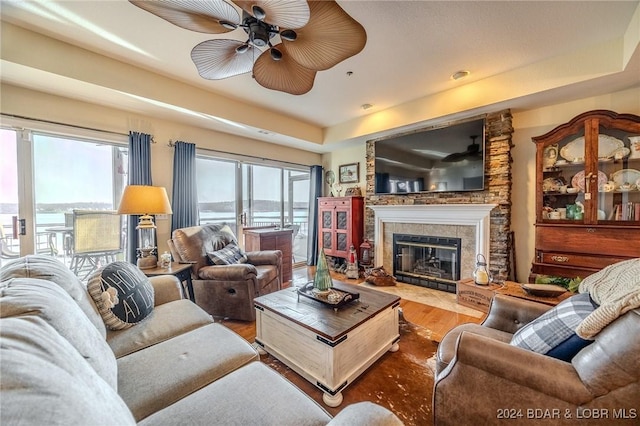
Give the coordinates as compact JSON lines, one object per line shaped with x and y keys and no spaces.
{"x":144,"y":200}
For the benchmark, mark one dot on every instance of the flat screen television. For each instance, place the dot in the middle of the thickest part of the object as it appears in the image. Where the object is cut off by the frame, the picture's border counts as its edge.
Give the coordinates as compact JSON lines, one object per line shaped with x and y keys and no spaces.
{"x":445,"y":159}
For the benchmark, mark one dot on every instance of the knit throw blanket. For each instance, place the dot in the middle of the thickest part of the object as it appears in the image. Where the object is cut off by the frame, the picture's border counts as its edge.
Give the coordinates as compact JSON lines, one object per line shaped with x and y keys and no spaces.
{"x":616,"y":289}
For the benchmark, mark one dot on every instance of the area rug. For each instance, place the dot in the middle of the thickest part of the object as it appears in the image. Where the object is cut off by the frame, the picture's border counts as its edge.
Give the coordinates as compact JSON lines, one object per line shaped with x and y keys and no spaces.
{"x":427,"y":296}
{"x":401,"y":381}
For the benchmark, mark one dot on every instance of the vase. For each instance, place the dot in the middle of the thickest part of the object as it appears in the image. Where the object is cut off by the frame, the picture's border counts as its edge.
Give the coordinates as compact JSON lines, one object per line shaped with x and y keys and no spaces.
{"x":322,"y":280}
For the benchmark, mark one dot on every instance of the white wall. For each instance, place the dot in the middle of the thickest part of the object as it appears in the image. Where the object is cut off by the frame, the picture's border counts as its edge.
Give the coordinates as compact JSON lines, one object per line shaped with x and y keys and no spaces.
{"x":333,"y":161}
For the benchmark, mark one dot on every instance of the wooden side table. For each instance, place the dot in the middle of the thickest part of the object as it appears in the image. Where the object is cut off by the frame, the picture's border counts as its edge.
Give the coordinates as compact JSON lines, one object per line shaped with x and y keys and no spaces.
{"x":182,"y":271}
{"x":479,"y":296}
{"x":272,"y":239}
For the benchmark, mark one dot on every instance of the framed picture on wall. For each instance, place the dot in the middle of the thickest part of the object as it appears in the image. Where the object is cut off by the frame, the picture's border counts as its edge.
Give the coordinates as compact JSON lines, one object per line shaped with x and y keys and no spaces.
{"x":349,"y":173}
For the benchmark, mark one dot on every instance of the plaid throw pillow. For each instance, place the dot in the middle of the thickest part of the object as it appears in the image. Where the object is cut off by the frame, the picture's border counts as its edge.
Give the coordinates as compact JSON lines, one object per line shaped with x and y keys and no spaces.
{"x":228,"y":255}
{"x":555,"y":327}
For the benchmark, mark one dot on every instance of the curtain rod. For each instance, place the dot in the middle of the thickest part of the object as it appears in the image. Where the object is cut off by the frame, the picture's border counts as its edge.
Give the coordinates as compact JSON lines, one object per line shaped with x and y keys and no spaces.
{"x":171,"y":144}
{"x":22,"y":117}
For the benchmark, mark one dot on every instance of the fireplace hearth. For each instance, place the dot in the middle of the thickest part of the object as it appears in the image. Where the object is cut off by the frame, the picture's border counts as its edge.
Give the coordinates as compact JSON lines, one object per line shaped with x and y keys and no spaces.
{"x":427,"y":261}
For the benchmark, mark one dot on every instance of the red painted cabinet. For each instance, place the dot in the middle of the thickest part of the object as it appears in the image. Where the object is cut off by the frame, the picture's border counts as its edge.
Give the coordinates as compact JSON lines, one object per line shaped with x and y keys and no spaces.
{"x":340,"y":224}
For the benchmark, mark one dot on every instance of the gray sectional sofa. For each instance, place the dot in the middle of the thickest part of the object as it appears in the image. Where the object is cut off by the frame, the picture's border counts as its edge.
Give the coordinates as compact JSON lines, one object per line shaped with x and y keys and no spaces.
{"x":59,"y":364}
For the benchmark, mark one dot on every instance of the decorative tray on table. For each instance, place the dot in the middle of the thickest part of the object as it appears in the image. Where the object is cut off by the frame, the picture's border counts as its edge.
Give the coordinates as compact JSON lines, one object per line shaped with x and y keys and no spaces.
{"x":332,"y":297}
{"x":544,"y":290}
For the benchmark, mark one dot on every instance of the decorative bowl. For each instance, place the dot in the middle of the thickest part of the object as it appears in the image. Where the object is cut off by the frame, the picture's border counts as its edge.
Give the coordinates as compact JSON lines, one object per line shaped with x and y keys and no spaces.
{"x":572,"y":190}
{"x":544,"y":290}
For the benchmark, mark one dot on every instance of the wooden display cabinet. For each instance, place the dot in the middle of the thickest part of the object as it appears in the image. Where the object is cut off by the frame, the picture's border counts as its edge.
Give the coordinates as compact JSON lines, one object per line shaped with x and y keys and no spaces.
{"x":340,"y":223}
{"x":258,"y":239}
{"x":597,"y":155}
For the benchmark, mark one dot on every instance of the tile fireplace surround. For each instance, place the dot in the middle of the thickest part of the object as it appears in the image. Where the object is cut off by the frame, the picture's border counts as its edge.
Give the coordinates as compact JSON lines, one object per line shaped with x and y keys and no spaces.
{"x":484,"y":217}
{"x":471,"y":222}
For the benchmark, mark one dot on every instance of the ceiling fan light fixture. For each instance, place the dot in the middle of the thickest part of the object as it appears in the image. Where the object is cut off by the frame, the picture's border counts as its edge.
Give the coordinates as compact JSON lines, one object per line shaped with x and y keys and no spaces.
{"x":280,"y":13}
{"x":473,"y":152}
{"x":276,"y":55}
{"x":242,"y":48}
{"x":258,"y":12}
{"x":324,"y":36}
{"x":228,"y":25}
{"x":288,"y":35}
{"x":259,"y":34}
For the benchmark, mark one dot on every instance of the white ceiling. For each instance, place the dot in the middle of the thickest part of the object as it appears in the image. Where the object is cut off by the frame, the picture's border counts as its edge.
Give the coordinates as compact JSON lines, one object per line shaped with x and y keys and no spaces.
{"x":412,"y":49}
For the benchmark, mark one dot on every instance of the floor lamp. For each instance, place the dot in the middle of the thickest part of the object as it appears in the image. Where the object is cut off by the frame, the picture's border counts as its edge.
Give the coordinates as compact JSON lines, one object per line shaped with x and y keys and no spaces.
{"x":145,"y":200}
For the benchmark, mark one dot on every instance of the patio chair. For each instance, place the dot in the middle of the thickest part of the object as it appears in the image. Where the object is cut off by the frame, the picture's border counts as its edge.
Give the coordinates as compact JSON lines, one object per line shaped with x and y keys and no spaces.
{"x":5,"y":246}
{"x":97,"y":240}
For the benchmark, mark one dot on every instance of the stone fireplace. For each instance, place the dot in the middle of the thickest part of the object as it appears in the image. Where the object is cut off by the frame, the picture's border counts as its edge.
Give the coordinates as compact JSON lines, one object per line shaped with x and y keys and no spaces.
{"x":481,"y":219}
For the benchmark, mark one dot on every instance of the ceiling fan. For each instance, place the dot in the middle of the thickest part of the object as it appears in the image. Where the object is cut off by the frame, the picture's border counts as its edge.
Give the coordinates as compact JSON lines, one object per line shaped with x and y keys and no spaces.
{"x":299,"y":38}
{"x":472,"y":153}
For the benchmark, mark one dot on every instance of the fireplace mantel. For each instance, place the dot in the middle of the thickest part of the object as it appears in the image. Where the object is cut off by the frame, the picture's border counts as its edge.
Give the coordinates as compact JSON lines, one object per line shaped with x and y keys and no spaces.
{"x":476,"y":215}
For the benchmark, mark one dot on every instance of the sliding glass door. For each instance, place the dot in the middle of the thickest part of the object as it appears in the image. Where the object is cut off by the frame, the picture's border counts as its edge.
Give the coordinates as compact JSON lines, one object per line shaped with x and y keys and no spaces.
{"x":45,"y":178}
{"x":9,"y":241}
{"x":262,"y":196}
{"x":297,"y":212}
{"x":244,"y":194}
{"x":218,"y":190}
{"x":72,"y":174}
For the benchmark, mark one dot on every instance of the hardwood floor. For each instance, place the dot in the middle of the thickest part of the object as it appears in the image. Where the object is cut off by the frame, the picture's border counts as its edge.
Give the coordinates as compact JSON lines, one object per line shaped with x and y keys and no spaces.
{"x":439,"y":321}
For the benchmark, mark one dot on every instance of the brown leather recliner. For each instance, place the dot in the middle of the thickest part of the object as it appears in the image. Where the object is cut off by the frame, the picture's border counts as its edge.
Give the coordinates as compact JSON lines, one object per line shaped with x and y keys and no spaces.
{"x":225,"y":290}
{"x":482,"y":379}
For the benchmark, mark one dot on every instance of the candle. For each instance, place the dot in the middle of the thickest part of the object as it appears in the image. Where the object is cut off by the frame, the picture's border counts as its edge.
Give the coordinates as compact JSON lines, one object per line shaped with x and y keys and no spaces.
{"x":482,"y":277}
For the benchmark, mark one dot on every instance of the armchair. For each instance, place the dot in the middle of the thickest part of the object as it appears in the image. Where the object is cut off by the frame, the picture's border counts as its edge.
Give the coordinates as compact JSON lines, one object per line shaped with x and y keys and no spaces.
{"x":482,"y":379}
{"x":225,"y":290}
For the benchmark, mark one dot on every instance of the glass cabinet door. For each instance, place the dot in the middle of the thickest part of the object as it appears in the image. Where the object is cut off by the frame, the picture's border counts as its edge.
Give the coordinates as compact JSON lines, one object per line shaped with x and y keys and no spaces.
{"x":593,"y":179}
{"x":619,"y":198}
{"x":564,"y":185}
{"x":327,"y":229}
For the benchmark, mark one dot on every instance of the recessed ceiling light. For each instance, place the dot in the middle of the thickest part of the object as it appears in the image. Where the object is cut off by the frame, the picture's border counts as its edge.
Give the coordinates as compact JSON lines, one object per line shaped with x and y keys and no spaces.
{"x":460,"y":74}
{"x":366,"y":106}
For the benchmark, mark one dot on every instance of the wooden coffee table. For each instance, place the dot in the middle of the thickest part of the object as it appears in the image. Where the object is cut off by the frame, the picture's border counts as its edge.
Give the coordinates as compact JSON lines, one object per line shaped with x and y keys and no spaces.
{"x":329,"y":348}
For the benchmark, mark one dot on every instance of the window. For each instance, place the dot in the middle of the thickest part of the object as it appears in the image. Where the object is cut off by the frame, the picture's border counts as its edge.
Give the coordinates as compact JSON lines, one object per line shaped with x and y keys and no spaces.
{"x":217,"y":193}
{"x":244,"y":194}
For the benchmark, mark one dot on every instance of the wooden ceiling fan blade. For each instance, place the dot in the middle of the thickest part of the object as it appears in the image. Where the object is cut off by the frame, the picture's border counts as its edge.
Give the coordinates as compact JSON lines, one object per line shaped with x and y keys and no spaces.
{"x":218,"y":59}
{"x":283,"y":13}
{"x":203,"y":16}
{"x":330,"y":37}
{"x":285,"y":75}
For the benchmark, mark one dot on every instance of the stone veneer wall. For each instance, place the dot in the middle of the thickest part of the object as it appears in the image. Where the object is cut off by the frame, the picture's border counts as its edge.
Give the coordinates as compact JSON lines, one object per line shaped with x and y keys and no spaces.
{"x":497,"y":191}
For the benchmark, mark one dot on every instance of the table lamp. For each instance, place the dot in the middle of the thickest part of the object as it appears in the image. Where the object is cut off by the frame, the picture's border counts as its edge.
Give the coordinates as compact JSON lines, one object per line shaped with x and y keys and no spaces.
{"x":145,"y":200}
